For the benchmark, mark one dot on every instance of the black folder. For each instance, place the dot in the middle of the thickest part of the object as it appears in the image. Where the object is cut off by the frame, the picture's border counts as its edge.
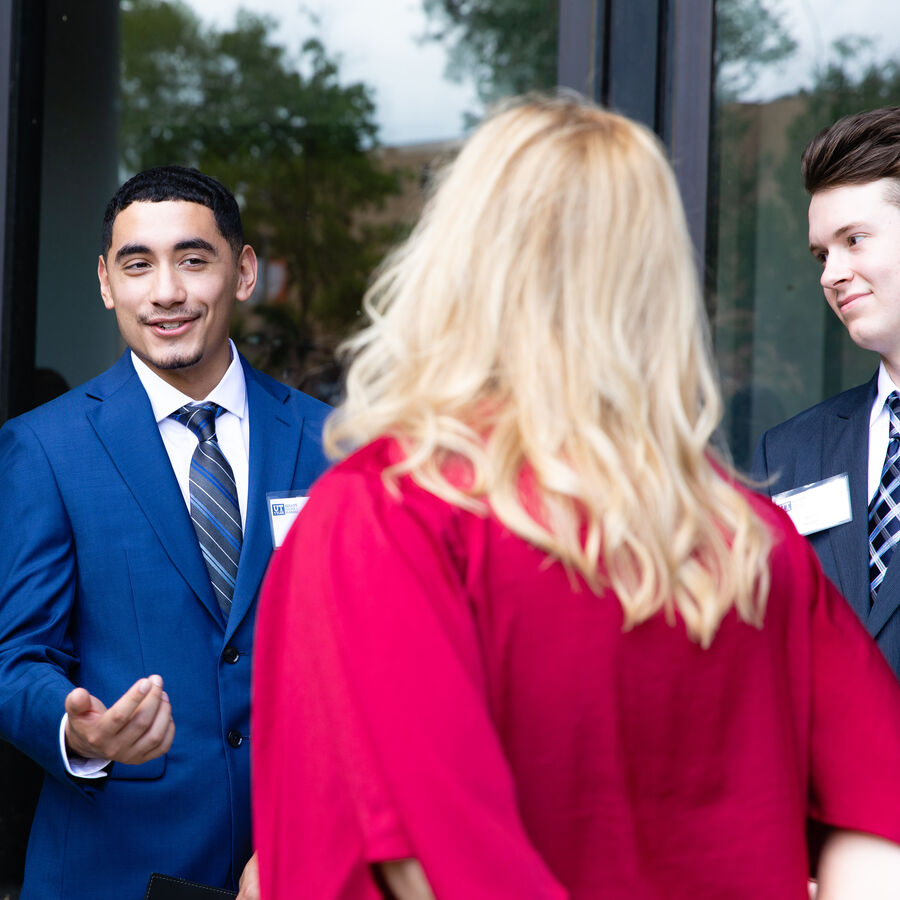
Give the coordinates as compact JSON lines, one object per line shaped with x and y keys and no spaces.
{"x":167,"y":887}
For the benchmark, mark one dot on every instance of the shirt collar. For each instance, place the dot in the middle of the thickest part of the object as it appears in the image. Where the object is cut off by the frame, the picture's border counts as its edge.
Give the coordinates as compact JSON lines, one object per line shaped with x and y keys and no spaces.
{"x":230,"y":393}
{"x":885,"y":386}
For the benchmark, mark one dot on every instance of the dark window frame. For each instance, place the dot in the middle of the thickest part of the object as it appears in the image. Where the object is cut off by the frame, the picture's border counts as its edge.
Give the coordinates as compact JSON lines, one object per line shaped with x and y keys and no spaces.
{"x":606,"y":50}
{"x":22,"y":30}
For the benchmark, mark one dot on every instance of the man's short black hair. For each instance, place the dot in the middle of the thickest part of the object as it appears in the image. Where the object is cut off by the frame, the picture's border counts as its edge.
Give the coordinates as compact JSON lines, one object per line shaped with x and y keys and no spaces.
{"x":177,"y":183}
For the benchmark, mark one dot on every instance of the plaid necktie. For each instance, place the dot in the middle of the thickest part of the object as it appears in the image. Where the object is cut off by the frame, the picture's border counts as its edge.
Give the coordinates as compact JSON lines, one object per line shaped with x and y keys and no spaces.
{"x":214,"y":504}
{"x":884,"y":510}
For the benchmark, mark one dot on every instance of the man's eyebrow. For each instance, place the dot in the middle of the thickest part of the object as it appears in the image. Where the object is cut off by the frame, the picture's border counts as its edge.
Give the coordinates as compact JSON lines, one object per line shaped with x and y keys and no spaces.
{"x":197,"y":243}
{"x":130,"y":250}
{"x":194,"y":243}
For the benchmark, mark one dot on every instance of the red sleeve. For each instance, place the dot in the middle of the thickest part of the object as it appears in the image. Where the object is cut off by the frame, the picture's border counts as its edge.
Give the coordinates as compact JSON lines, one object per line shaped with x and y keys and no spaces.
{"x":372,"y":738}
{"x":854,"y":722}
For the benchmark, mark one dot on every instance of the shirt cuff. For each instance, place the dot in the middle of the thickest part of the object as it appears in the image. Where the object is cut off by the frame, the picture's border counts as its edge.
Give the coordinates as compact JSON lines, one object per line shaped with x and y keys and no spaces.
{"x":75,"y":765}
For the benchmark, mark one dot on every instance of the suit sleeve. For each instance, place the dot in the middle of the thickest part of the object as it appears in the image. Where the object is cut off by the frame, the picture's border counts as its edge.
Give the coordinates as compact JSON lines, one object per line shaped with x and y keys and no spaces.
{"x":37,"y":589}
{"x":372,"y":734}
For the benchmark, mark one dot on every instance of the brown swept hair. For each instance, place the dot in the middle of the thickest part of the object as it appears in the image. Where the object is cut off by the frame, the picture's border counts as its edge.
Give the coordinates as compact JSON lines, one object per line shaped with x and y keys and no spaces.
{"x":856,"y":149}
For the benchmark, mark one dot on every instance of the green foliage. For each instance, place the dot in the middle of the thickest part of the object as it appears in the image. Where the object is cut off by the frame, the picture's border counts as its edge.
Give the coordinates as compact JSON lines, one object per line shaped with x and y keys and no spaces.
{"x":293,"y":143}
{"x":839,"y":90}
{"x":749,"y":36}
{"x":506,"y":46}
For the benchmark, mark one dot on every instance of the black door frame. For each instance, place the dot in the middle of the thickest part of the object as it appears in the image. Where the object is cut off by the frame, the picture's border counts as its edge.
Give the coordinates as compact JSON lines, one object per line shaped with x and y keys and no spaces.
{"x":653,"y":61}
{"x":22,"y":30}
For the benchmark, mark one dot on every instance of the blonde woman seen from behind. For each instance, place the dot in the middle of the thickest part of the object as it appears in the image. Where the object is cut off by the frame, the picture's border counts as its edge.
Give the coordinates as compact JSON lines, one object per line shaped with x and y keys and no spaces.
{"x":530,"y":639}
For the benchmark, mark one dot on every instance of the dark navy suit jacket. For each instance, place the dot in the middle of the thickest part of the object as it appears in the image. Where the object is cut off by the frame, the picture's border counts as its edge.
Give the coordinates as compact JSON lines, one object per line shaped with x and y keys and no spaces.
{"x":830,"y":439}
{"x":102,"y":582}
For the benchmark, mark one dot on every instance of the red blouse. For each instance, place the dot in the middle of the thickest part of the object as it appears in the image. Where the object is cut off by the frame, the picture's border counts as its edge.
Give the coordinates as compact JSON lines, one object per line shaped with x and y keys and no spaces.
{"x":427,"y":684}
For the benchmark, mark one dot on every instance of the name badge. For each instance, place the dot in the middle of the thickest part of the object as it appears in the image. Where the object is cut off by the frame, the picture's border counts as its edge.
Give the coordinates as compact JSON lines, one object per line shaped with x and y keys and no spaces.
{"x":815,"y":507}
{"x":284,"y":507}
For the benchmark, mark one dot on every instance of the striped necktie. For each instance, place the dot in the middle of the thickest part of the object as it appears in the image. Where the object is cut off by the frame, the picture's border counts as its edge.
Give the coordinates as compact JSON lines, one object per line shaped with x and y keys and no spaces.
{"x":884,"y":510}
{"x":214,"y":504}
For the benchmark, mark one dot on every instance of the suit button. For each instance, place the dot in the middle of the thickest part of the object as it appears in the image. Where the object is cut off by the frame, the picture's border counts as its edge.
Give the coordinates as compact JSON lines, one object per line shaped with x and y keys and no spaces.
{"x":231,"y":655}
{"x":235,"y":738}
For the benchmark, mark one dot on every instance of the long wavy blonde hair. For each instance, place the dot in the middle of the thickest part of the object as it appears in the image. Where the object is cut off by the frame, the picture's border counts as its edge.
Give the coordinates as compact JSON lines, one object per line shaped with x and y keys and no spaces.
{"x":544,"y":316}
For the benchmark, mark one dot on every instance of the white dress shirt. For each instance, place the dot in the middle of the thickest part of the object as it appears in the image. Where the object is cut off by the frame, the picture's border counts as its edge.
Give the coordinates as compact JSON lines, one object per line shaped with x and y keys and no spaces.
{"x":233,"y":435}
{"x":232,"y":426}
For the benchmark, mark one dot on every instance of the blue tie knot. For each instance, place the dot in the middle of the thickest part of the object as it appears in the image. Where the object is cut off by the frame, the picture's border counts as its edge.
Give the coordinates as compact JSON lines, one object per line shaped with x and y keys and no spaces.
{"x":200,"y":418}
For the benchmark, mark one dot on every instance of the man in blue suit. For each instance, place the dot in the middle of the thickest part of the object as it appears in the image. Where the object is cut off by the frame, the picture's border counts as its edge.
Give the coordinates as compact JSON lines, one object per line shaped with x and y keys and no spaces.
{"x":125,"y":642}
{"x":852,"y":173}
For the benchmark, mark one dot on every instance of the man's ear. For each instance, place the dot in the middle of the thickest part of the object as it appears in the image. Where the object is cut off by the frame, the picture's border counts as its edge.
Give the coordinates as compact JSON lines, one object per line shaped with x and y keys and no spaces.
{"x":247,"y":271}
{"x":103,"y":275}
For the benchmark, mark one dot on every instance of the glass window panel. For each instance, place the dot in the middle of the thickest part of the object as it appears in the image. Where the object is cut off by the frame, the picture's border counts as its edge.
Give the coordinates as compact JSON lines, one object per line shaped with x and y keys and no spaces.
{"x":785,"y":70}
{"x":327,"y":144}
{"x":325,"y":119}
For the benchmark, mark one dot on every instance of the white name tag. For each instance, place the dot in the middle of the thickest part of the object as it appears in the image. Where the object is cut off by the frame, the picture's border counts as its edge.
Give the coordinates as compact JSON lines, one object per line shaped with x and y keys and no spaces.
{"x":284,"y":507}
{"x":815,"y":507}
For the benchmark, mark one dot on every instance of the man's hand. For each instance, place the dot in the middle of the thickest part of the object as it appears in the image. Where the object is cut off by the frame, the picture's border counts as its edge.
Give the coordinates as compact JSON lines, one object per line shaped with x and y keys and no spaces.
{"x":138,"y":727}
{"x":249,"y":883}
{"x":406,"y":879}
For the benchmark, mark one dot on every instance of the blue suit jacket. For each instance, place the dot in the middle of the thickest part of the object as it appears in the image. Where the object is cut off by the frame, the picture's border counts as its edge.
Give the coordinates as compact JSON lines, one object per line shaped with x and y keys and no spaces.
{"x":102,"y":582}
{"x":830,"y":439}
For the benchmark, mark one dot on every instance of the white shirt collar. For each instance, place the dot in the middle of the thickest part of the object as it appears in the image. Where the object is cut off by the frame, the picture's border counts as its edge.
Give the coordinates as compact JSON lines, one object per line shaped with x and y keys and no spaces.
{"x":885,"y":386}
{"x":230,"y":392}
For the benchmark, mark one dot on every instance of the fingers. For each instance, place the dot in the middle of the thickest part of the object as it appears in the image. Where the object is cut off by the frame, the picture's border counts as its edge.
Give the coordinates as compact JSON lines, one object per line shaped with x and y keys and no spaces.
{"x":156,"y":738}
{"x":78,"y":702}
{"x":138,"y":727}
{"x":249,"y":883}
{"x":142,"y":722}
{"x":139,"y":701}
{"x":406,"y":879}
{"x":84,"y":710}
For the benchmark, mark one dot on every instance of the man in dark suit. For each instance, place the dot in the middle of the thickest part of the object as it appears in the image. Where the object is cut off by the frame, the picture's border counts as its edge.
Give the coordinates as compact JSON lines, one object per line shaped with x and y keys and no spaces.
{"x":134,"y":542}
{"x":852,"y":173}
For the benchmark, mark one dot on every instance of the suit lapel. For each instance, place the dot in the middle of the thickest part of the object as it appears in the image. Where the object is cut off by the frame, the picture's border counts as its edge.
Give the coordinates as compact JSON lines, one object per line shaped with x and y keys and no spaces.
{"x":274,"y":448}
{"x":888,"y":598}
{"x":851,"y":541}
{"x":125,"y":425}
{"x":845,"y":448}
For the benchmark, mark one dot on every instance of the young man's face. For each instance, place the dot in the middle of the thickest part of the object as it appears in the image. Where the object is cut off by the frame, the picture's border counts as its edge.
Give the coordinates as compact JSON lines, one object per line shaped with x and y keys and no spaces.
{"x":172,"y":280}
{"x":854,"y":231}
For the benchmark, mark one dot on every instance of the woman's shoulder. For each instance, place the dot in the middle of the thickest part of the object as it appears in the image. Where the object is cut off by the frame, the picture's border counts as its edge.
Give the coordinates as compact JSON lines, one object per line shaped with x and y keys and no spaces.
{"x":366,"y":464}
{"x":381,"y":463}
{"x":372,"y":481}
{"x":372,"y":457}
